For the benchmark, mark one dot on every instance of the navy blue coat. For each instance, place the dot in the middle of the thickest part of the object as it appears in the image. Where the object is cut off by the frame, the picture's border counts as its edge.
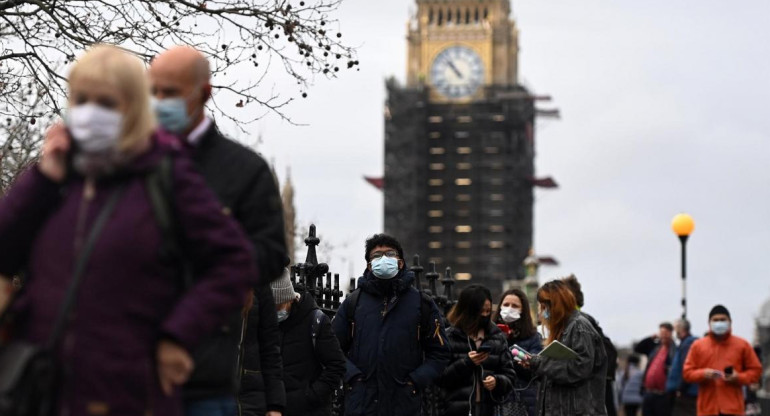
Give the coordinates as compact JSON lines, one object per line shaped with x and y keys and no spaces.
{"x":524,"y":382}
{"x":389,"y":347}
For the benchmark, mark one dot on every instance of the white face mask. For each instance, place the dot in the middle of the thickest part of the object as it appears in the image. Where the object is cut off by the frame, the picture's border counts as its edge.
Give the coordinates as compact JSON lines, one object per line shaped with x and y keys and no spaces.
{"x":94,"y":128}
{"x":509,"y":314}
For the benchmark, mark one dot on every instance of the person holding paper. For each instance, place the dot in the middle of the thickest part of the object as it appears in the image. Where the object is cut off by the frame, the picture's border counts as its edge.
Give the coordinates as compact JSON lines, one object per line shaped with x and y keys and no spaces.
{"x":573,"y":385}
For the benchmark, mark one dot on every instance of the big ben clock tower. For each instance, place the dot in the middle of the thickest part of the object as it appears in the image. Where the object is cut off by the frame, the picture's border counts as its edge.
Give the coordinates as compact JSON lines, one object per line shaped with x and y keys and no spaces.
{"x":459,"y":143}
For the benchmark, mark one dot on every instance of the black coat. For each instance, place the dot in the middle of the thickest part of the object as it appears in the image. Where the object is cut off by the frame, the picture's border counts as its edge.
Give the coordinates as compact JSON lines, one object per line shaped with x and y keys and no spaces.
{"x":245,"y":186}
{"x":262,"y":387}
{"x":310,"y":374}
{"x":461,"y":375}
{"x":393,"y":345}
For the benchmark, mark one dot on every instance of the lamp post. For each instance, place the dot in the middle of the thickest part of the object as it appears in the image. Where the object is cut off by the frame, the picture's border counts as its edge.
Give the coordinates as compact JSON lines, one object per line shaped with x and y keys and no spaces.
{"x":683,"y":225}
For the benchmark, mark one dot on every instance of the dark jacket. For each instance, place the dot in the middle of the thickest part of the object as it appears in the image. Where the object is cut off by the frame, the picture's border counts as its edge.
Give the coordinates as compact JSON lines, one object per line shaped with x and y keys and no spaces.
{"x":129,"y":297}
{"x":245,"y":184}
{"x":461,"y":376}
{"x":262,"y":387}
{"x":577,"y":386}
{"x":524,"y":378}
{"x":310,"y":373}
{"x":675,"y":381}
{"x":390,"y":347}
{"x":246,"y":187}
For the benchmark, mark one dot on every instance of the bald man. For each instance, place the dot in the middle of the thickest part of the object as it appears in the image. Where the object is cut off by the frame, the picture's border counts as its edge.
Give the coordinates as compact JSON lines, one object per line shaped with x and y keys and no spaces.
{"x":244,"y":183}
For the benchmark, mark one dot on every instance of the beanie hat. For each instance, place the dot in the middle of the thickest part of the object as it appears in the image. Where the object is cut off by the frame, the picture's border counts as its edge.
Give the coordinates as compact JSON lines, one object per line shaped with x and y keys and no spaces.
{"x":719,"y":310}
{"x":283,"y":291}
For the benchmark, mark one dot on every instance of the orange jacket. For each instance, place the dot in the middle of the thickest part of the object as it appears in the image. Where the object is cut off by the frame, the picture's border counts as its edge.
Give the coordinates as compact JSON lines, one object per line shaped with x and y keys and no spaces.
{"x":717,"y":396}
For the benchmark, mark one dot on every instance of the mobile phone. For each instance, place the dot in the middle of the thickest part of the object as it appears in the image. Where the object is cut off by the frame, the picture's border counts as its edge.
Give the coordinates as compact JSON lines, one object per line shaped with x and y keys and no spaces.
{"x":729,"y":370}
{"x":484,"y":348}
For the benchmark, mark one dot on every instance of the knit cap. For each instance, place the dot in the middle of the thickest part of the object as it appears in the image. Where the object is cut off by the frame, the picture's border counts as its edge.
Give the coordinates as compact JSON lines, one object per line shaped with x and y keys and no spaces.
{"x":719,"y":310}
{"x":283,"y":291}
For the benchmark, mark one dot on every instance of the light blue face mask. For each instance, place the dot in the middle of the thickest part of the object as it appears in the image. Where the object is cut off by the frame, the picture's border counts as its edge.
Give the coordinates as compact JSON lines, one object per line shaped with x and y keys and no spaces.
{"x":547,"y":314}
{"x":720,"y":327}
{"x":172,"y":114}
{"x":385,"y":267}
{"x":282,"y":315}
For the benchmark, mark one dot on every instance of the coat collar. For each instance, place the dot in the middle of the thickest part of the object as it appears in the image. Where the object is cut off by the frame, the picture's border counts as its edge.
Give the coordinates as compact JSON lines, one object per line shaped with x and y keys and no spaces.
{"x":399,"y":284}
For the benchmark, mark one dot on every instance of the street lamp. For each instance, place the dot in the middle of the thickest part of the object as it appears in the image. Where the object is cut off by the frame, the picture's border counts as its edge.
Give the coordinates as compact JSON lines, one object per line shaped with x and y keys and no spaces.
{"x":683,"y":225}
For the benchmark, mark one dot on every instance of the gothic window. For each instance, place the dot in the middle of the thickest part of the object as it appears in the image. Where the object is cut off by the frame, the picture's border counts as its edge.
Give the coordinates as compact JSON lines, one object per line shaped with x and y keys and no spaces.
{"x":467,"y":16}
{"x":476,"y":15}
{"x":449,"y":17}
{"x":440,"y":17}
{"x":430,"y":16}
{"x":459,"y":16}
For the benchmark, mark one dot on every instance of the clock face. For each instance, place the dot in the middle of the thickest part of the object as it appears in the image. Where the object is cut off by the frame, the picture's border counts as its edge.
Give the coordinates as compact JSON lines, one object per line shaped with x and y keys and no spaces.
{"x":457,"y":72}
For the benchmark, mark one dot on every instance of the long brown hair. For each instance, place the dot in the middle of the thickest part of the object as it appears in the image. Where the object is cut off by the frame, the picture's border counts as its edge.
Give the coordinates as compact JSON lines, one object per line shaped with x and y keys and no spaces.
{"x":466,"y":313}
{"x":524,"y":327}
{"x":561,"y":305}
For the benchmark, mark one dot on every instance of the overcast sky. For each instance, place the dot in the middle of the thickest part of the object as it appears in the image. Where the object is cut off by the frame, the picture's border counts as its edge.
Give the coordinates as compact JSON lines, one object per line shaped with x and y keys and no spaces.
{"x":664,"y":109}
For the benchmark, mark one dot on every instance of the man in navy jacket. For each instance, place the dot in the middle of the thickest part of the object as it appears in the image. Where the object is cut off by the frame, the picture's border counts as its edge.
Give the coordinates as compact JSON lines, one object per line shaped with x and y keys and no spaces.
{"x":392,"y":336}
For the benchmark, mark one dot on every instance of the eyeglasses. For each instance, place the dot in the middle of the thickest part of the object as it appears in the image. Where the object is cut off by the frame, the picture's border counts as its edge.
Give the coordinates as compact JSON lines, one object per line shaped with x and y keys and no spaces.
{"x":390,"y":254}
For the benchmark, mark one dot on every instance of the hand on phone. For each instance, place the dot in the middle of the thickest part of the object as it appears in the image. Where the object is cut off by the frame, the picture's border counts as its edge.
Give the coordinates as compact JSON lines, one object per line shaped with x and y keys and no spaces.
{"x":712,"y":374}
{"x":478,"y":357}
{"x":53,"y":161}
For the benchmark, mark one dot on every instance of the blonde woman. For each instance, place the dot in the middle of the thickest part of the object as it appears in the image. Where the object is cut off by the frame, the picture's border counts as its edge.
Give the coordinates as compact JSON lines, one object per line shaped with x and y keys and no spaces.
{"x":125,"y":347}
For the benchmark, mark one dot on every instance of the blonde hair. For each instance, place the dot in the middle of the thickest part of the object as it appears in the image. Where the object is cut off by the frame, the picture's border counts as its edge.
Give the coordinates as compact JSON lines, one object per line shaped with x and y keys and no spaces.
{"x":124,"y":71}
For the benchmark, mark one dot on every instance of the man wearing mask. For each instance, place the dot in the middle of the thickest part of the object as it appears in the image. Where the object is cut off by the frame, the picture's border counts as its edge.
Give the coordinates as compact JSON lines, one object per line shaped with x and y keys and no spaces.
{"x":721,"y":364}
{"x":685,"y":394}
{"x":660,"y":351}
{"x":392,"y":335}
{"x":244,"y":183}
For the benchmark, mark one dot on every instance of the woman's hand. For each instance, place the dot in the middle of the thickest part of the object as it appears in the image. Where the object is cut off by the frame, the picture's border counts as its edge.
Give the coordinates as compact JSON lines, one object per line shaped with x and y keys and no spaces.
{"x":174,"y":365}
{"x":477,"y":357}
{"x":490,"y":383}
{"x":53,"y":162}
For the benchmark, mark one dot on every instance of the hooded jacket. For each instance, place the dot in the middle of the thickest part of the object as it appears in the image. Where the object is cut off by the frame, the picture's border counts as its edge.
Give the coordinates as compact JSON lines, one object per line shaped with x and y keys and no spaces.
{"x":576,"y":386}
{"x":461,"y":376}
{"x":391,"y":356}
{"x":129,"y":296}
{"x":312,"y":369}
{"x":718,"y":396}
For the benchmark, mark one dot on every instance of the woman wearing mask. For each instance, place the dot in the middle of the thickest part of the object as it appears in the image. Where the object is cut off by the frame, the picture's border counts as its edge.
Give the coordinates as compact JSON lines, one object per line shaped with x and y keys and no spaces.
{"x":125,"y":347}
{"x":480,"y":374}
{"x":515,"y":319}
{"x":573,"y":386}
{"x":313,"y":363}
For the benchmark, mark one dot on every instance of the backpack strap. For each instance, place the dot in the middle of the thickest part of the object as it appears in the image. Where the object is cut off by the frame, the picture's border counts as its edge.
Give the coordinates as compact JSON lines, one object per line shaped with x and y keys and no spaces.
{"x":80,"y":266}
{"x":431,"y":325}
{"x":350,"y":311}
{"x":160,"y":188}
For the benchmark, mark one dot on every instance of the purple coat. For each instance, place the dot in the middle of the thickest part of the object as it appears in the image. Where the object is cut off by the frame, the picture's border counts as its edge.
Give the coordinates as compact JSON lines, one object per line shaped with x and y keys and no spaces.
{"x":129,"y":297}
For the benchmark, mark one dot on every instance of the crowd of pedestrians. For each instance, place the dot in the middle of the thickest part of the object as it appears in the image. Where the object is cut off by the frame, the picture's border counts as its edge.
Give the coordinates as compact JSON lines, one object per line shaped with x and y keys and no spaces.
{"x":152,"y":259}
{"x":708,"y":376}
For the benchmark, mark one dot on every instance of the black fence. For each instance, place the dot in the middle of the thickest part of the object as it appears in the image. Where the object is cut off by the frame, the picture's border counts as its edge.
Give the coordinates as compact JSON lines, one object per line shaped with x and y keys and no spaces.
{"x":316,"y":279}
{"x":324,"y":286}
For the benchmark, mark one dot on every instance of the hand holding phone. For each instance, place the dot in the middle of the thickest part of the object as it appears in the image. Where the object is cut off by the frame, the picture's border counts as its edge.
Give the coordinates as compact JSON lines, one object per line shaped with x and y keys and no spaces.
{"x":53,"y":161}
{"x":484,"y":348}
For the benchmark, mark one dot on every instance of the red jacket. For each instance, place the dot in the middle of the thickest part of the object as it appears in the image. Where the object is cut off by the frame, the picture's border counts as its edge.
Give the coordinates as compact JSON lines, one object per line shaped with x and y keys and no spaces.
{"x":718,"y":396}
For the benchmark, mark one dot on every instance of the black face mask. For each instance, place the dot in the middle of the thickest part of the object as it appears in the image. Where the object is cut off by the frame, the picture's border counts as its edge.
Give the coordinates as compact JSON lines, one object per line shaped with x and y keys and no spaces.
{"x":484,"y":321}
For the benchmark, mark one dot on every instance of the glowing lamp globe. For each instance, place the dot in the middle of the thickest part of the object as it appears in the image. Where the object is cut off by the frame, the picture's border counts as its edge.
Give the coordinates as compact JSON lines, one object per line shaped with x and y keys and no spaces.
{"x":683,"y":225}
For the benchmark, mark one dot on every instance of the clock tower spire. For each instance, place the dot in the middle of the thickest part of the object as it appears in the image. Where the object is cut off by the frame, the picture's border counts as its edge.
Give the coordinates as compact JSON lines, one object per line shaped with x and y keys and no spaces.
{"x":453,"y":45}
